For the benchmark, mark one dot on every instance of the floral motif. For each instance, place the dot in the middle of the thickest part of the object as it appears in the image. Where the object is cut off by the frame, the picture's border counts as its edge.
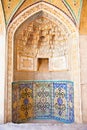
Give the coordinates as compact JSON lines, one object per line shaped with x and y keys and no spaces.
{"x":43,"y":100}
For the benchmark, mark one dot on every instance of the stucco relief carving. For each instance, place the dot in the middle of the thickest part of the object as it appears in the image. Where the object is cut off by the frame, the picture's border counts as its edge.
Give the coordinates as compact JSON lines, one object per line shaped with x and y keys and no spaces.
{"x":42,"y":38}
{"x":26,"y":63}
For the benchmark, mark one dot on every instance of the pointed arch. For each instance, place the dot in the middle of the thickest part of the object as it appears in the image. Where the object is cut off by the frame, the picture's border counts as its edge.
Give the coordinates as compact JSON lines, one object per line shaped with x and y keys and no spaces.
{"x":73,"y":39}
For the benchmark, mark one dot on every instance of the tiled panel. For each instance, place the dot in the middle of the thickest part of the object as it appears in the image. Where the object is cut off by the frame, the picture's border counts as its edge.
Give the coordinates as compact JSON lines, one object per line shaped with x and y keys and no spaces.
{"x":63,"y":101}
{"x":41,"y":100}
{"x":23,"y":105}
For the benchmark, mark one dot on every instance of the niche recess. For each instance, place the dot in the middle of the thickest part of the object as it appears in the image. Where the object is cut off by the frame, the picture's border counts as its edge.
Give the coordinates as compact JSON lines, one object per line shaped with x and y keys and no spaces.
{"x":40,"y":46}
{"x":43,"y":64}
{"x":16,"y":42}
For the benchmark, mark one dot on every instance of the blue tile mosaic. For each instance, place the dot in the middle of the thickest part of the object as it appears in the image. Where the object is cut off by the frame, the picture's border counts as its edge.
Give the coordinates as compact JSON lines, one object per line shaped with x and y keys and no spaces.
{"x":43,"y":100}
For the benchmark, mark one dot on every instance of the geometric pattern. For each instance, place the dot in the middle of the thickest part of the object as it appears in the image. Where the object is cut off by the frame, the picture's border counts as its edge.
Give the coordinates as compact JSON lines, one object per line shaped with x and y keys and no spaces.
{"x":22,"y":102}
{"x":43,"y":99}
{"x":63,"y":101}
{"x":52,"y":100}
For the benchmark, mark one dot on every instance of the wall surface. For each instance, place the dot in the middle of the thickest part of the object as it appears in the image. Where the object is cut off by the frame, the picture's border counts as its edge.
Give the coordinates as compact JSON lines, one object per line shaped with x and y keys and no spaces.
{"x":9,"y":9}
{"x":2,"y":64}
{"x":83,"y":20}
{"x":83,"y":62}
{"x":83,"y":59}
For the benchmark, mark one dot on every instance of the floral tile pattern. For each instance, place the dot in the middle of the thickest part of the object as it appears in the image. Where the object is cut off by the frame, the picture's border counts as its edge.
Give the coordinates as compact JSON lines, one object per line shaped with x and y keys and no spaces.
{"x":43,"y":100}
{"x":63,"y":101}
{"x":22,"y":104}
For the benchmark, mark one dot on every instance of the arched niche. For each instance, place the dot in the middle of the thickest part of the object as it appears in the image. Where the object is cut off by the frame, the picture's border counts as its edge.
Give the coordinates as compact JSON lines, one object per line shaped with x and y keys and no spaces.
{"x":41,"y":45}
{"x":73,"y":40}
